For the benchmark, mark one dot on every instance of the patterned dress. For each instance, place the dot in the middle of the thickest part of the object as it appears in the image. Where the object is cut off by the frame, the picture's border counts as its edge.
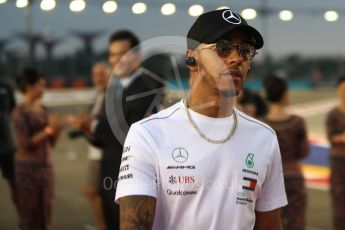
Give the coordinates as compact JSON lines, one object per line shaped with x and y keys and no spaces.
{"x":293,"y":143}
{"x":335,"y":124}
{"x":34,"y":173}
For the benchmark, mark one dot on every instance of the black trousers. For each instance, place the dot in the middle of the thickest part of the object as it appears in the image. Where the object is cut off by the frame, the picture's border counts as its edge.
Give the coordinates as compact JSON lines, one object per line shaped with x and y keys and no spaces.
{"x":111,"y":210}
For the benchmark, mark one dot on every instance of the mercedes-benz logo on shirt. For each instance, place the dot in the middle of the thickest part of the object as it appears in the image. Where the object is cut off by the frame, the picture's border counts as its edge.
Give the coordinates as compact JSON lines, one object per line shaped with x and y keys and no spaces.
{"x":180,"y":155}
{"x":231,"y":17}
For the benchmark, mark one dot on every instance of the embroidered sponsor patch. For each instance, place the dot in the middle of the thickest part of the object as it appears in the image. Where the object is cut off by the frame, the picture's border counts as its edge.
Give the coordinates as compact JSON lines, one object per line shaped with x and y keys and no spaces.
{"x":249,"y":183}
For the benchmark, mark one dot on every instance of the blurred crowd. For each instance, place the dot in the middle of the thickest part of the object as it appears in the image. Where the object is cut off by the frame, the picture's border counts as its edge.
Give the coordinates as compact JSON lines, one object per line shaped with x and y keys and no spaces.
{"x":25,"y":153}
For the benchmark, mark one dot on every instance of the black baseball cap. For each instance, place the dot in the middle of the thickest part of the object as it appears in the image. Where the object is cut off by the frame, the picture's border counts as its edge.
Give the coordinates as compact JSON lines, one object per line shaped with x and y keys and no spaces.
{"x":213,"y":25}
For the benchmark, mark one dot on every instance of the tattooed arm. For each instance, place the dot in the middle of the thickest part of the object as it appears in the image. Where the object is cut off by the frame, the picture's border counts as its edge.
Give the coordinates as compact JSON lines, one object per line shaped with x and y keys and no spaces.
{"x":137,"y":212}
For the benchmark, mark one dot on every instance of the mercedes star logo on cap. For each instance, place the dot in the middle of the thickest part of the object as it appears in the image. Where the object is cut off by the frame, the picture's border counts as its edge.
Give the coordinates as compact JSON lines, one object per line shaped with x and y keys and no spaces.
{"x":180,"y":155}
{"x":231,"y":17}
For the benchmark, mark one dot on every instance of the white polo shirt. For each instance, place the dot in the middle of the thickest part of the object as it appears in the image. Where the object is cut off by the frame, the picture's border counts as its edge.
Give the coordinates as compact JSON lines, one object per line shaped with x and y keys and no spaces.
{"x":197,"y":184}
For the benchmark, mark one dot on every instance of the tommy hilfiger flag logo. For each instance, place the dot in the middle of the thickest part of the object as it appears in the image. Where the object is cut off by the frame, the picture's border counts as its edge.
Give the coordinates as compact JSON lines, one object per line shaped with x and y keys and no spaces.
{"x":249,"y":183}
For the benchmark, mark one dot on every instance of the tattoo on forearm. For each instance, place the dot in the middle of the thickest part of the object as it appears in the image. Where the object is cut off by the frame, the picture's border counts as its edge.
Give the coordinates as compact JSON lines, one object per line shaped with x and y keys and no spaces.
{"x":137,"y":212}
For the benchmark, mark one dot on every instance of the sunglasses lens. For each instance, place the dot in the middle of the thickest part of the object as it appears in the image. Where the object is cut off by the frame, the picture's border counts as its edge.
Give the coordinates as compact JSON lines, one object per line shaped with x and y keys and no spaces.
{"x":224,"y":48}
{"x":247,"y":51}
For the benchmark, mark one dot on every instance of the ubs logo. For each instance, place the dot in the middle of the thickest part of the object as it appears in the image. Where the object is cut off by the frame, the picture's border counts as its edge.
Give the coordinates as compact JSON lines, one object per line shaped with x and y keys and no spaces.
{"x":231,"y":17}
{"x":182,"y":179}
{"x":180,"y":155}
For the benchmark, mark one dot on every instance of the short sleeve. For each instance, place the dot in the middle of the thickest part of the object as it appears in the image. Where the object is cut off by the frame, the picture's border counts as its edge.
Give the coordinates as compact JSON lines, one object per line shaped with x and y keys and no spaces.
{"x":331,"y":125}
{"x":301,"y":130}
{"x":22,"y":130}
{"x":137,"y":171}
{"x":273,"y":194}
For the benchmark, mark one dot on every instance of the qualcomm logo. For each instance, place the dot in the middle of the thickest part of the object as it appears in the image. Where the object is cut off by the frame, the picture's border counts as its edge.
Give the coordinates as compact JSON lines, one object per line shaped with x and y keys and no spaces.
{"x":181,"y":193}
{"x":180,"y":155}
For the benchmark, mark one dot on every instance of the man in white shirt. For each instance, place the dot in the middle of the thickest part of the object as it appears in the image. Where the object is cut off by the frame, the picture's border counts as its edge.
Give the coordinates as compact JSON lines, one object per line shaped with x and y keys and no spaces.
{"x":201,"y":163}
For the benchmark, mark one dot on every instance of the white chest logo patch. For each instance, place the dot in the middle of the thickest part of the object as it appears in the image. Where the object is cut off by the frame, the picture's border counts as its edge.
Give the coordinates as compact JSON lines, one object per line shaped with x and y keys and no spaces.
{"x":231,"y":17}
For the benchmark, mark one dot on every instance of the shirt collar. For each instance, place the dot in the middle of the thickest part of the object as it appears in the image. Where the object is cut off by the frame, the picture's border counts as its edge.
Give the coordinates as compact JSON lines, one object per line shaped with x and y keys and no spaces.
{"x":125,"y":82}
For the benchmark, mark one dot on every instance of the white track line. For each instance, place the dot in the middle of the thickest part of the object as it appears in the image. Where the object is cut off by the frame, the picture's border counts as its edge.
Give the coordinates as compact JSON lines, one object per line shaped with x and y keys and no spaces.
{"x":313,"y":108}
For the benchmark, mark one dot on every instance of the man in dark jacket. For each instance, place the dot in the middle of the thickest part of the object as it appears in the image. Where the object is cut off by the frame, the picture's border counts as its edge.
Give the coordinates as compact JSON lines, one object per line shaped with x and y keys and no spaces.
{"x":128,"y":99}
{"x":7,"y":143}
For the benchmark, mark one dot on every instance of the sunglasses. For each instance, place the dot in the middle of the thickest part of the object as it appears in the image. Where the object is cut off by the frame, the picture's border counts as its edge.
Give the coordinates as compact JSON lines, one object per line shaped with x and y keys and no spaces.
{"x":224,"y":49}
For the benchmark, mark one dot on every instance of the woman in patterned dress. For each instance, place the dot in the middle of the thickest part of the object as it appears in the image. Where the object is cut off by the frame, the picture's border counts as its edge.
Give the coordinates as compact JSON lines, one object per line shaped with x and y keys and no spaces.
{"x":36,"y":132}
{"x":293,"y":143}
{"x":335,"y":126}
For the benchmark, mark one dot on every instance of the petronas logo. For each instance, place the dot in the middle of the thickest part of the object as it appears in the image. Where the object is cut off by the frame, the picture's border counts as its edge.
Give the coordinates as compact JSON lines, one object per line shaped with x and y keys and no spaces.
{"x":250,"y":160}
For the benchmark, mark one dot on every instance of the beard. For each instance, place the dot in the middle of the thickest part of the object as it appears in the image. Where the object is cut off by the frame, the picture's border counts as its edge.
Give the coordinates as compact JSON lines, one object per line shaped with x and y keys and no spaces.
{"x":214,"y":81}
{"x":228,"y":93}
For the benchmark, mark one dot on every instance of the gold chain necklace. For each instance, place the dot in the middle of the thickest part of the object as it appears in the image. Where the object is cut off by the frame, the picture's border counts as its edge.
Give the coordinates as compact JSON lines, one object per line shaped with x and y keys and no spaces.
{"x":202,"y":135}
